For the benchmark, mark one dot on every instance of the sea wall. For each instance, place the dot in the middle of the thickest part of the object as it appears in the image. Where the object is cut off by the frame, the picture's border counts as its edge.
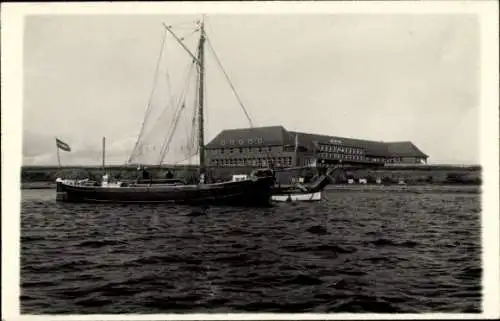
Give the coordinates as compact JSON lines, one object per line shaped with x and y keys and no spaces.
{"x":43,"y":176}
{"x":419,"y":175}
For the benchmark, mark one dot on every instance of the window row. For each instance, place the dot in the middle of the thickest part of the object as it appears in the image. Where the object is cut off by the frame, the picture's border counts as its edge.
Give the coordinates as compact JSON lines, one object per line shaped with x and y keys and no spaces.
{"x":340,"y":149}
{"x":402,"y":159}
{"x":250,"y":141}
{"x":341,"y":156}
{"x":241,"y":150}
{"x":375,"y":159}
{"x":257,"y":162}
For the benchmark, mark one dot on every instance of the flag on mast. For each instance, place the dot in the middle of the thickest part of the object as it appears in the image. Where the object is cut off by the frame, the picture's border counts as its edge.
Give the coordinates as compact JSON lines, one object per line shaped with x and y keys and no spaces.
{"x":62,"y":145}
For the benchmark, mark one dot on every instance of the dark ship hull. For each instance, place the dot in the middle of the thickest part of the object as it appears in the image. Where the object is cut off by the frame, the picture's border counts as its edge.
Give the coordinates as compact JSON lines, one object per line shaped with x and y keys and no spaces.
{"x":252,"y":192}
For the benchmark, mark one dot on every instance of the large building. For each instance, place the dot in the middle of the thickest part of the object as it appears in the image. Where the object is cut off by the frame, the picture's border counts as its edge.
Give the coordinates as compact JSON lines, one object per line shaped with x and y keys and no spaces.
{"x":257,"y":147}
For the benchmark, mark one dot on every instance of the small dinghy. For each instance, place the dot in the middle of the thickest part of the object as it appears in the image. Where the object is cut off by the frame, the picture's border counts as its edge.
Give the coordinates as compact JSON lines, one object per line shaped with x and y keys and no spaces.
{"x":299,"y":192}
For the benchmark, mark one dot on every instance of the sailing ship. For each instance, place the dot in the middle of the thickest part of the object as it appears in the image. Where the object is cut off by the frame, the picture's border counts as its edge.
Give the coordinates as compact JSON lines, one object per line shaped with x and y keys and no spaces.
{"x":254,"y":190}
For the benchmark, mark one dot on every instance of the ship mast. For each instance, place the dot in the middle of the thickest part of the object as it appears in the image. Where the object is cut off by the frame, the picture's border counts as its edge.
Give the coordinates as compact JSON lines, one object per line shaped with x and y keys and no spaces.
{"x":201,"y":132}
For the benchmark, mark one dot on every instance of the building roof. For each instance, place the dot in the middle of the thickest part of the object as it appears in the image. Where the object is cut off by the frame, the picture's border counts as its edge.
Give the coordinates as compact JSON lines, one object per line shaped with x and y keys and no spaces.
{"x":278,"y":135}
{"x":404,"y":149}
{"x":246,"y":137}
{"x":371,"y":148}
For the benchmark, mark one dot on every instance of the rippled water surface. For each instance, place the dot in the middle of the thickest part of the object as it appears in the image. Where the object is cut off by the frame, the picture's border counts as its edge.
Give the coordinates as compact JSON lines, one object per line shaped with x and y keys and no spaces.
{"x":357,"y":251}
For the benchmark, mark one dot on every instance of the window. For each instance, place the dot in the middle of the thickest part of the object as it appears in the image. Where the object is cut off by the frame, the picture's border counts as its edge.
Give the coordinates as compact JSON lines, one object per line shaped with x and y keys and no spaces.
{"x":231,"y":150}
{"x":222,"y":150}
{"x":269,"y":149}
{"x":241,"y":150}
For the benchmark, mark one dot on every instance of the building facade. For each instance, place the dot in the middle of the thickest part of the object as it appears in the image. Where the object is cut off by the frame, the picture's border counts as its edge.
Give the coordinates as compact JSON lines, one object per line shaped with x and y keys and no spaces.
{"x":263,"y":146}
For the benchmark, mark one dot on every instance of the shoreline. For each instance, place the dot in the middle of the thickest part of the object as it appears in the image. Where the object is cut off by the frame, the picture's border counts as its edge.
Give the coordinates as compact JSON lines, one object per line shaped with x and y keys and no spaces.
{"x":409,"y":188}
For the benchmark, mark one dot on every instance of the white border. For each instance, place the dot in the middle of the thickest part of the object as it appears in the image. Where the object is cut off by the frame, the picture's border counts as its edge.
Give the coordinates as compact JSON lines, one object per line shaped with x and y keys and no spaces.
{"x":12,"y":15}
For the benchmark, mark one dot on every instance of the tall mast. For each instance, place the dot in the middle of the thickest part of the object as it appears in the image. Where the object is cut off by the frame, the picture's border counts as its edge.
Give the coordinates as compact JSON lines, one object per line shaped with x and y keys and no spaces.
{"x":201,"y":135}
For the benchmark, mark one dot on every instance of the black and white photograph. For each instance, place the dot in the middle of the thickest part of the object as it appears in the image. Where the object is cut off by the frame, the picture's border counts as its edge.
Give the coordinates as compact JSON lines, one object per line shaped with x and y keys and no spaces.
{"x":175,"y":159}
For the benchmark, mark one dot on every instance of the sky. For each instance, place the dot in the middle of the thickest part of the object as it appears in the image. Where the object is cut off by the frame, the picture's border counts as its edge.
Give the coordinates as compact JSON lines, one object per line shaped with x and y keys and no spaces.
{"x":398,"y":77}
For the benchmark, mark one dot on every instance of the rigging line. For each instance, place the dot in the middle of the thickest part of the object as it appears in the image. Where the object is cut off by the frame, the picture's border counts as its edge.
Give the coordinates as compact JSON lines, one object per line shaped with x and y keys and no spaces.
{"x":195,"y":110}
{"x":267,"y":153}
{"x":209,"y":24}
{"x":171,"y":102}
{"x":229,"y":81}
{"x":169,"y":87}
{"x":181,"y":43}
{"x":164,"y":146}
{"x":181,"y":106}
{"x":171,"y":136}
{"x":148,"y":108}
{"x":168,"y":138}
{"x":205,"y":100}
{"x":195,"y":114}
{"x":172,"y":98}
{"x":191,"y":136}
{"x":182,"y":38}
{"x":185,"y":159}
{"x":179,"y":24}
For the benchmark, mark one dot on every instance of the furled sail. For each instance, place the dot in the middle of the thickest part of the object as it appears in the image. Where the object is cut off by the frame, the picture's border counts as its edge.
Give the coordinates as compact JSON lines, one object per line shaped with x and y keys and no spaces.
{"x":168,"y":132}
